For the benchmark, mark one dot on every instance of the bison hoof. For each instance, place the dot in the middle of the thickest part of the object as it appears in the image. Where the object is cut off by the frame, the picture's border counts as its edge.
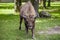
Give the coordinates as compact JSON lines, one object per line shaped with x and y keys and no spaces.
{"x":33,"y":37}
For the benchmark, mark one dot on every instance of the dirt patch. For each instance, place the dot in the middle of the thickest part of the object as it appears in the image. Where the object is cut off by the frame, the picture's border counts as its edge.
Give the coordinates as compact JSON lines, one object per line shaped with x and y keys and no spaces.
{"x":55,"y":30}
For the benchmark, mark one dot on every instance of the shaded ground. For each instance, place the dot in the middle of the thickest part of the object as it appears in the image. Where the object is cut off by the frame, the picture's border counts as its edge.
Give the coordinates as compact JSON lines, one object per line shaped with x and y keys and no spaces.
{"x":55,"y":30}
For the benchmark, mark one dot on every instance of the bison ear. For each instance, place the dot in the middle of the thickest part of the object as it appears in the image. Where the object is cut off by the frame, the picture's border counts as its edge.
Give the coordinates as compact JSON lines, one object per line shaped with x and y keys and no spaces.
{"x":35,"y":15}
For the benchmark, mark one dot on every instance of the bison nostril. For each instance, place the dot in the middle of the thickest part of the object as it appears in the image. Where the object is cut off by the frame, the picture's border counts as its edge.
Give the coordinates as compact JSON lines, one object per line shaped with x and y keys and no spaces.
{"x":30,"y":27}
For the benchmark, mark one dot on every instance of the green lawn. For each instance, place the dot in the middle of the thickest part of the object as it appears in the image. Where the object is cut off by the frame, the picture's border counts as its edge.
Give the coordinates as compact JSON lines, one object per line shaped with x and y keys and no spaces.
{"x":7,"y":11}
{"x":54,"y":6}
{"x":6,"y":5}
{"x":9,"y":26}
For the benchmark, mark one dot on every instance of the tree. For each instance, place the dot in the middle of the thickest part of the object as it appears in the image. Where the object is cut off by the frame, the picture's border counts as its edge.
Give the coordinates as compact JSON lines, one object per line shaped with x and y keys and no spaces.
{"x":49,"y":3}
{"x":17,"y":5}
{"x":44,"y":3}
{"x":36,"y":5}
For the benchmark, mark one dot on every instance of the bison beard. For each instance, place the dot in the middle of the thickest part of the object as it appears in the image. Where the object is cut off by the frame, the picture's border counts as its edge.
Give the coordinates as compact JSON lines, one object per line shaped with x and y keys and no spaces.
{"x":28,"y":13}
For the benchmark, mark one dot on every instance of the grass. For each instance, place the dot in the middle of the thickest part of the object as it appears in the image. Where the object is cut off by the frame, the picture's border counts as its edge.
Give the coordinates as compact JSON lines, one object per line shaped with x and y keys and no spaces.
{"x":6,"y":5}
{"x":9,"y":25}
{"x":7,"y":11}
{"x":9,"y":28}
{"x":54,"y":6}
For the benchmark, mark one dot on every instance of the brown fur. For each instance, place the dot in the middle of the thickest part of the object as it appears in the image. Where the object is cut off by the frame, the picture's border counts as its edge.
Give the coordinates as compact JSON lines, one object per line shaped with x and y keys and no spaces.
{"x":27,"y":9}
{"x":27,"y":13}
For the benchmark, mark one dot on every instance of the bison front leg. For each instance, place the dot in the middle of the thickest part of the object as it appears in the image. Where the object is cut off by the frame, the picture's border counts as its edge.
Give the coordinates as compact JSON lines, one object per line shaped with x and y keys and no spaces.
{"x":21,"y":18}
{"x":32,"y":30}
{"x":26,"y":27}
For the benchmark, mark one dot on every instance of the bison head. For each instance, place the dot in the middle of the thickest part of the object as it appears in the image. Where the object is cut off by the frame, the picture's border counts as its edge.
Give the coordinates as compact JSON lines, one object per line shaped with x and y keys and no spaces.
{"x":29,"y":20}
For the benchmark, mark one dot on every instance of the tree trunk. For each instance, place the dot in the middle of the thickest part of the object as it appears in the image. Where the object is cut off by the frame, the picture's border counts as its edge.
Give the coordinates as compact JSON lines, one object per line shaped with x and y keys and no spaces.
{"x":49,"y":3}
{"x":0,"y":0}
{"x":35,"y":3}
{"x":18,"y":4}
{"x":44,"y":3}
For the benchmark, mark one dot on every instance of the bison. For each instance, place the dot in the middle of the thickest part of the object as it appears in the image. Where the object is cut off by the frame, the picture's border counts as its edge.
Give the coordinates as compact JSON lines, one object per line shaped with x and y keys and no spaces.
{"x":28,"y":13}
